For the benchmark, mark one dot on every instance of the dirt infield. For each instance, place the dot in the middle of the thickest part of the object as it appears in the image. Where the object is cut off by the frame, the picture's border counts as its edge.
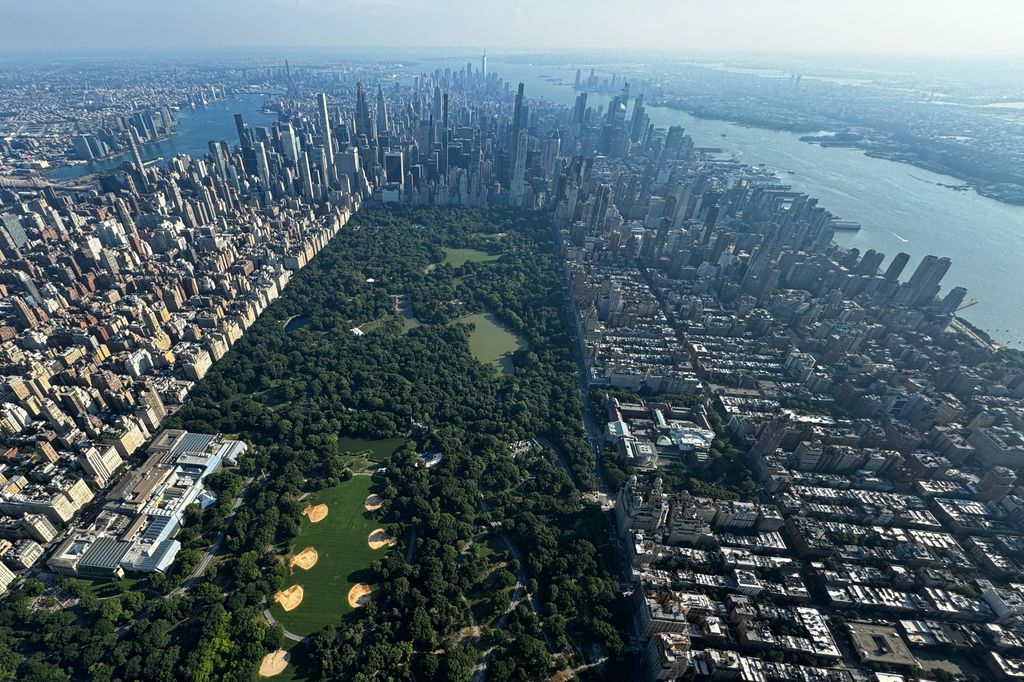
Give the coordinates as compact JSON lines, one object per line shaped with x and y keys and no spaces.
{"x":290,"y":598}
{"x":274,"y":663}
{"x":359,"y":595}
{"x":380,"y":538}
{"x":373,"y":502}
{"x":316,"y":514}
{"x":305,"y":559}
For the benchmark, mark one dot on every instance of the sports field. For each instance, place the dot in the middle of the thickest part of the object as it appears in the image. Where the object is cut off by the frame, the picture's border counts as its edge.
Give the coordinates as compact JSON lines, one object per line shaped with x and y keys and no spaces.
{"x":380,"y":449}
{"x":343,"y":557}
{"x":459,"y":257}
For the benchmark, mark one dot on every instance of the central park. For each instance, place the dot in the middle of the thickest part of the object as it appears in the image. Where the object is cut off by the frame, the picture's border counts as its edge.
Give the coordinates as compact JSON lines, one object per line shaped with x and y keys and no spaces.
{"x":384,"y":527}
{"x":424,"y":331}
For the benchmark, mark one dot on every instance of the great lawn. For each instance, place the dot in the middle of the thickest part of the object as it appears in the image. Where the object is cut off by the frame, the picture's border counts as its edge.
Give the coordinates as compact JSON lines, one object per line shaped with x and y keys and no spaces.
{"x":344,"y":557}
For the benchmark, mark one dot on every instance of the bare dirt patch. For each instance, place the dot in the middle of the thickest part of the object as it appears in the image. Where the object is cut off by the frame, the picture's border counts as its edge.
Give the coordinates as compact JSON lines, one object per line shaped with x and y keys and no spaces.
{"x":290,"y":598}
{"x":305,"y":559}
{"x":274,"y":663}
{"x":315,"y":513}
{"x":380,"y":538}
{"x":359,"y":595}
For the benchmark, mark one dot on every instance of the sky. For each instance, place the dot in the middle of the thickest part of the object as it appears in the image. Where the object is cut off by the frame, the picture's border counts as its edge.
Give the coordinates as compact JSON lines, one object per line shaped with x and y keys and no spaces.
{"x":888,"y":27}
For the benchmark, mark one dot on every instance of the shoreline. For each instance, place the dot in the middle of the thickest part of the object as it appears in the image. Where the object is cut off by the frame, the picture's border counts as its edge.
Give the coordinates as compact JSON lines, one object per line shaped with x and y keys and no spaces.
{"x":1013,"y":198}
{"x":125,"y":155}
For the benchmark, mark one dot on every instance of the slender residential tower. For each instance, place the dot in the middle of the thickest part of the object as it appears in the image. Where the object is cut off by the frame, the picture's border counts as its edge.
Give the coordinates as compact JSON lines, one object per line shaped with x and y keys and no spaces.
{"x":325,"y":125}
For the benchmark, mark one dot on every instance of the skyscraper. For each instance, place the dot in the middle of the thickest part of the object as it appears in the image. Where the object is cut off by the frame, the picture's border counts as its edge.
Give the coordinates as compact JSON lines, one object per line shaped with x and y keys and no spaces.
{"x":307,"y":177}
{"x":262,"y":166}
{"x":444,"y":134}
{"x":952,"y":301}
{"x":383,"y":120}
{"x":636,"y":128}
{"x":394,"y":167}
{"x":580,"y":110}
{"x":895,"y":269}
{"x":519,"y":170}
{"x":364,"y":124}
{"x":924,"y":283}
{"x":483,"y":67}
{"x":243,"y":132}
{"x":325,"y":126}
{"x":245,"y":142}
{"x":518,"y":114}
{"x":436,"y":102}
{"x":289,"y":142}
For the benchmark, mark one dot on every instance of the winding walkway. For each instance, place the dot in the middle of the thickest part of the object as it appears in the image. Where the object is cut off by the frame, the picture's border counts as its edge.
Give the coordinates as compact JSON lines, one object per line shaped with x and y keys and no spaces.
{"x":288,"y":634}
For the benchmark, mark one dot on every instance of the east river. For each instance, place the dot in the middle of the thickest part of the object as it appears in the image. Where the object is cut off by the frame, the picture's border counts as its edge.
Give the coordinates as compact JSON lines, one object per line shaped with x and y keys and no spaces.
{"x":900,"y":207}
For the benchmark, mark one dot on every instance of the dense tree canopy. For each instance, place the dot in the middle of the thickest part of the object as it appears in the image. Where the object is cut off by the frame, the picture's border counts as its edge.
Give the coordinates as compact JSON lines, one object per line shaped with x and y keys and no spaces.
{"x":296,"y":394}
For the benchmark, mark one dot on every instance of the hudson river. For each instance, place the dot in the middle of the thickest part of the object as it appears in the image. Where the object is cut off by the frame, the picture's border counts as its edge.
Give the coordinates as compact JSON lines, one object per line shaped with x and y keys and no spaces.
{"x":898,"y":205}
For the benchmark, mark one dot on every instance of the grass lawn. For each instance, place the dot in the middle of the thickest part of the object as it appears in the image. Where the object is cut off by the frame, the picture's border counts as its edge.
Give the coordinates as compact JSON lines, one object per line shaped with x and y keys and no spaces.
{"x":407,"y":318}
{"x":459,"y":257}
{"x":379,"y":450}
{"x":490,"y":342}
{"x":344,"y":557}
{"x":300,"y":668}
{"x":104,"y":589}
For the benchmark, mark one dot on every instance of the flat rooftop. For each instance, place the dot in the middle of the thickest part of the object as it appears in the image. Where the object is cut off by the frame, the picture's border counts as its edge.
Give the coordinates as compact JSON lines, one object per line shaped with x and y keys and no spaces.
{"x":880,"y":644}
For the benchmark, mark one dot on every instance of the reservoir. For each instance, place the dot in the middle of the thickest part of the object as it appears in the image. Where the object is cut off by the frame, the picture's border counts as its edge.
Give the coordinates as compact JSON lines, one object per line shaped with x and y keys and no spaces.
{"x":899,"y":206}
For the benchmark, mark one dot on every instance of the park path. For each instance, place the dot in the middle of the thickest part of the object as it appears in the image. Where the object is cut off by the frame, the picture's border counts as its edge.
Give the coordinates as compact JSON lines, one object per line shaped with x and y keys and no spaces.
{"x":480,"y":672}
{"x":288,"y":634}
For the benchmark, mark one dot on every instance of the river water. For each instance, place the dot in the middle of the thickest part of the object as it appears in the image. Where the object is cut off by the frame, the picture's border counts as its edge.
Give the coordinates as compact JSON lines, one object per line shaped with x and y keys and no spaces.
{"x":898,"y":205}
{"x":196,"y":127}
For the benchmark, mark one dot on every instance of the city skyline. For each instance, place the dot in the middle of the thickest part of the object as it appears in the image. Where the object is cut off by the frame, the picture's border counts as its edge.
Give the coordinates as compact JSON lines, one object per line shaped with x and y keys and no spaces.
{"x":874,"y":27}
{"x":487,"y":366}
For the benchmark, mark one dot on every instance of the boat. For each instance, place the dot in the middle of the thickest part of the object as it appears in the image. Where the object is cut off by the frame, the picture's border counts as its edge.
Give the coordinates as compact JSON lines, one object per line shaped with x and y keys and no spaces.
{"x":845,"y":225}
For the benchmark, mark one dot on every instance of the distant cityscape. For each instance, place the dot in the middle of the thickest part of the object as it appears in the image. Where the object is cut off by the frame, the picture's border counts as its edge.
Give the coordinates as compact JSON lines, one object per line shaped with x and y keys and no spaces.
{"x":809,"y":464}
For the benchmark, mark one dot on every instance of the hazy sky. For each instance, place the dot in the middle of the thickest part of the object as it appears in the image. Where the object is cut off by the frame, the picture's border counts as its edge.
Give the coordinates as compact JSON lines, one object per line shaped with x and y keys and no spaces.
{"x":950,"y":27}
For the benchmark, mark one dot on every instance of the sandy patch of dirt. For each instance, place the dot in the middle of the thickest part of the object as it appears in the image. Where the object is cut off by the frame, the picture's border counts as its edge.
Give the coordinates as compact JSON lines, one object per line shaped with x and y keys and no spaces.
{"x":290,"y":598}
{"x":305,"y":559}
{"x":359,"y":595}
{"x":274,"y":663}
{"x":380,"y":538}
{"x":315,"y":513}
